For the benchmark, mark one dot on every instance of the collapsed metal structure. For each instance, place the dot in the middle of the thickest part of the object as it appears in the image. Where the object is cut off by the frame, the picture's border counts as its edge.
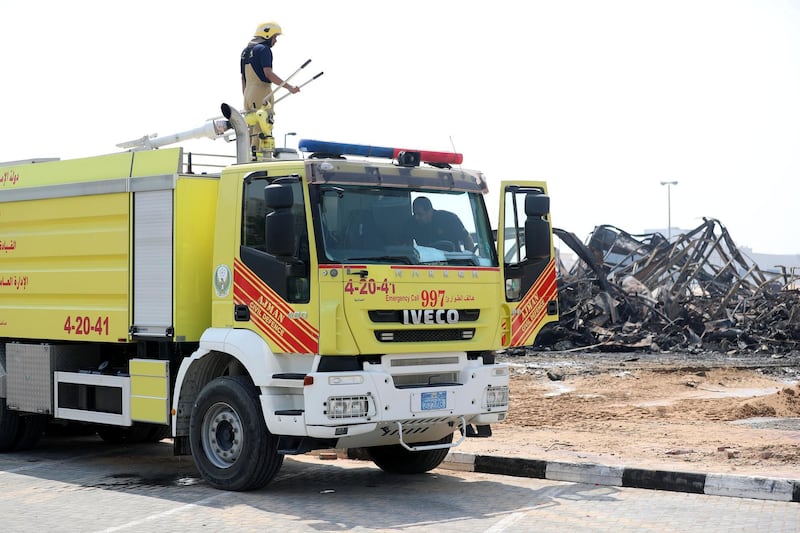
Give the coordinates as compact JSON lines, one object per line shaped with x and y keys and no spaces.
{"x":699,"y":292}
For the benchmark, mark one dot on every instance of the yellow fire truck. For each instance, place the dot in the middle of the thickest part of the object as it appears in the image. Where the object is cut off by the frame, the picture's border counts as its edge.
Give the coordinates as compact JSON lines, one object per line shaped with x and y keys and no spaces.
{"x":278,"y":306}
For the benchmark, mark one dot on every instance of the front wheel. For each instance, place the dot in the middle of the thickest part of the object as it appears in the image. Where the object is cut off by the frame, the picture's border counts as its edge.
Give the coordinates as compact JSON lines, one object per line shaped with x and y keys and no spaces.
{"x":231,"y":445}
{"x":395,"y":459}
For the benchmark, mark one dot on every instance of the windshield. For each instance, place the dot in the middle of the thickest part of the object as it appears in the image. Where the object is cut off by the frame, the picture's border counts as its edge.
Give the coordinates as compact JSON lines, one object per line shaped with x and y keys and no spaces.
{"x":365,"y":224}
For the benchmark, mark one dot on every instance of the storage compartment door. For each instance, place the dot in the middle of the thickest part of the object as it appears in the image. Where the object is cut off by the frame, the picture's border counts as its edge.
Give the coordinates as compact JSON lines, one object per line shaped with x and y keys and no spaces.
{"x":152,"y":263}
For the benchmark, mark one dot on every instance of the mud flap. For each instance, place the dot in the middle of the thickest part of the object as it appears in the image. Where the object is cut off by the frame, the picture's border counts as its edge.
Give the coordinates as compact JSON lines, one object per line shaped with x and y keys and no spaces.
{"x":477,"y":431}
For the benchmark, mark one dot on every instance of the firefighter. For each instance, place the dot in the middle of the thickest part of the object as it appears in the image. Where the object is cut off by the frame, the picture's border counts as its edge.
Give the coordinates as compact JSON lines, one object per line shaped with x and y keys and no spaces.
{"x":257,"y":74}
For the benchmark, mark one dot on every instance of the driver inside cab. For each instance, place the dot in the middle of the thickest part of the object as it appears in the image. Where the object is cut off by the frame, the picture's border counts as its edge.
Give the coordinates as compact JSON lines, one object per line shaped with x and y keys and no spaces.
{"x":438,"y":228}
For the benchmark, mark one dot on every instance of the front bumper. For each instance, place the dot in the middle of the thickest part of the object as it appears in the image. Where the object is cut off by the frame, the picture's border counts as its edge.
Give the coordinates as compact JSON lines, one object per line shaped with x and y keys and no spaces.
{"x":365,"y":408}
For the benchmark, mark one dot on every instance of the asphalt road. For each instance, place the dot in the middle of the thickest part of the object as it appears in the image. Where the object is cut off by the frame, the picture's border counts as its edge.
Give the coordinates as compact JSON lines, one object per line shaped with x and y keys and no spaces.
{"x":83,"y":484}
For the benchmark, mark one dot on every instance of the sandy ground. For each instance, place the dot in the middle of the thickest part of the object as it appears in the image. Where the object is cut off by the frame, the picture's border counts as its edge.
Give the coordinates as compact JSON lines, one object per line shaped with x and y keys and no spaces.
{"x":699,"y":417}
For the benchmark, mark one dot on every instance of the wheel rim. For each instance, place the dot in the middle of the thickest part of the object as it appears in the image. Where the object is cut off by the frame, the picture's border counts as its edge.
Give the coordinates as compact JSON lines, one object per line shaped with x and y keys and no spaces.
{"x":222,"y":435}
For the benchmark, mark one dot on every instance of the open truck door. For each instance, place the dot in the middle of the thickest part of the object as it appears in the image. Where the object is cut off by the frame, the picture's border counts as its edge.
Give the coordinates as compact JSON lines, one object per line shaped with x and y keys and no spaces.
{"x":525,"y":249}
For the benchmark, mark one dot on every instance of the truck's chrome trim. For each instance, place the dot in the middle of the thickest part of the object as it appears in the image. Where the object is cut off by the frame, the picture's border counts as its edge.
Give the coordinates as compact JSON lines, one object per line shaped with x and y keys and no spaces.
{"x":88,"y":188}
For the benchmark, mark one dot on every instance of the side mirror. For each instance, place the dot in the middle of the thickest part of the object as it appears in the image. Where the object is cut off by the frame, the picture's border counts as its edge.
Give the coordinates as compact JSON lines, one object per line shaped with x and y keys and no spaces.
{"x":279,"y":233}
{"x":279,"y":228}
{"x":537,"y":229}
{"x":536,"y":205}
{"x":278,"y":196}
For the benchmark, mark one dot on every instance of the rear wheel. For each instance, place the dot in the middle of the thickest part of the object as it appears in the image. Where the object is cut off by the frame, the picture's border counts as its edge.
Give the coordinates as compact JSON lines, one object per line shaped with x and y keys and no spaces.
{"x":231,"y":445}
{"x":31,"y":429}
{"x":19,"y":432}
{"x":397,"y":460}
{"x":9,"y":427}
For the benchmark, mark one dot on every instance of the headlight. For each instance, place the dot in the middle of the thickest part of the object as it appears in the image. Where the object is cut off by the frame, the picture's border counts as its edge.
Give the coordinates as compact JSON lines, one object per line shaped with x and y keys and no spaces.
{"x":348,"y":407}
{"x":495,"y":397}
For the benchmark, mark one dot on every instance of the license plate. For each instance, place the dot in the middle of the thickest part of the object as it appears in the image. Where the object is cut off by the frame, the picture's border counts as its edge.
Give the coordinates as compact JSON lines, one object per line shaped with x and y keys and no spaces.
{"x":433,"y":401}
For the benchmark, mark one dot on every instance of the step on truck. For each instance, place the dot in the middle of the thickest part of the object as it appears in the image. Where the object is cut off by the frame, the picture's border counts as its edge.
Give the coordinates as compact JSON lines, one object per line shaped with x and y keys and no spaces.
{"x":278,"y":306}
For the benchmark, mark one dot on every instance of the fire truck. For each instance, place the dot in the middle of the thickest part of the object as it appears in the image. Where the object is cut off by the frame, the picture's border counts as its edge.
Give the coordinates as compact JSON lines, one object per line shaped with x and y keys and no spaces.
{"x":278,"y":306}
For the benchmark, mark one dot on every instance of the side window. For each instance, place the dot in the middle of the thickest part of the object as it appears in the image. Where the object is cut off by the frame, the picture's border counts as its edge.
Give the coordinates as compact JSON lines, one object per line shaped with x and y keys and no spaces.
{"x":513,"y":236}
{"x":283,"y":264}
{"x":255,"y":212}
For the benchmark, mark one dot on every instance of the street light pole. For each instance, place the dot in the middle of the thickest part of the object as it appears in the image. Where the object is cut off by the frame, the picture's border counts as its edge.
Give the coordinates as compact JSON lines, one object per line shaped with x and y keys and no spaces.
{"x":669,"y":208}
{"x":286,"y":135}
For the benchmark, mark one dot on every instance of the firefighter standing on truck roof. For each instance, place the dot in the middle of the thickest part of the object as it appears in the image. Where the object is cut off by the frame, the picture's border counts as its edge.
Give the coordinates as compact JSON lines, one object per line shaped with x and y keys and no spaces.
{"x":257,"y":74}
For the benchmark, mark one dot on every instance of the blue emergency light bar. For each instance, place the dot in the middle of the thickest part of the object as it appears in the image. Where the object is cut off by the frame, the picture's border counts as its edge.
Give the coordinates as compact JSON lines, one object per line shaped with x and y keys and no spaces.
{"x":364,"y":150}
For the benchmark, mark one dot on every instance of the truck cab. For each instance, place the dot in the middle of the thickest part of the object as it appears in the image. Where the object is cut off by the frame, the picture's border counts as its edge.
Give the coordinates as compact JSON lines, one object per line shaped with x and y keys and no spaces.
{"x":372,"y":332}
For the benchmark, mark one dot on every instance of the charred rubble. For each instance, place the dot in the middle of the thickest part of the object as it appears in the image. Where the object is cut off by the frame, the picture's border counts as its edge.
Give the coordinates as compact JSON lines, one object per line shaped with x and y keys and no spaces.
{"x":697,"y":293}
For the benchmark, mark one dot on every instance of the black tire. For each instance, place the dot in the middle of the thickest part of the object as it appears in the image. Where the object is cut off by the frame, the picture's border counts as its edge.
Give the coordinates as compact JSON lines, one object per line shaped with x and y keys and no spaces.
{"x":230,"y":443}
{"x":397,"y":460}
{"x":19,"y":432}
{"x":31,"y":429}
{"x":9,"y":427}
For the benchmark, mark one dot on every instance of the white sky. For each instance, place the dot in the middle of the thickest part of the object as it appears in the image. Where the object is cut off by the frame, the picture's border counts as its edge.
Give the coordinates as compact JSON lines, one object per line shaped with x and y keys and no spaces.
{"x":602,"y":99}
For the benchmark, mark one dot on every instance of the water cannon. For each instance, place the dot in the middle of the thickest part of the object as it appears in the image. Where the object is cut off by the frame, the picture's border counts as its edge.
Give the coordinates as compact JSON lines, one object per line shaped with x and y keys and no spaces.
{"x":212,"y":129}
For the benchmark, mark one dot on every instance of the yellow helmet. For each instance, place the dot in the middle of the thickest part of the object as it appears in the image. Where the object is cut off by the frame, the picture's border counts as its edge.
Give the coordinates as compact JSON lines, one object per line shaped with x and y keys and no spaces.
{"x":268,"y":30}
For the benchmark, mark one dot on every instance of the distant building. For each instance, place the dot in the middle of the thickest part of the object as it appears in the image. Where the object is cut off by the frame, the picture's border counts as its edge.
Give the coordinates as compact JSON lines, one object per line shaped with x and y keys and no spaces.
{"x":773,"y":262}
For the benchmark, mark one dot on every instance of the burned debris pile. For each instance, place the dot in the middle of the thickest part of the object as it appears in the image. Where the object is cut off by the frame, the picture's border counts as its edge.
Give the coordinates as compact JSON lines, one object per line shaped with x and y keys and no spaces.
{"x":696,"y":293}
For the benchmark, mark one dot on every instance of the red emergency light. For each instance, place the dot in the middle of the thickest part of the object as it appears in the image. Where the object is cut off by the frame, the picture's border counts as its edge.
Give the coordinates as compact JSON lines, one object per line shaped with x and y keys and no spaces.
{"x":450,"y":158}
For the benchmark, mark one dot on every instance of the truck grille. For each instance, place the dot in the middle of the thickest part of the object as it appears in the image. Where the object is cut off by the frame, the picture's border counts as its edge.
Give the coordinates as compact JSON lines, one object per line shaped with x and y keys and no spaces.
{"x":424,"y":335}
{"x":387,"y":316}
